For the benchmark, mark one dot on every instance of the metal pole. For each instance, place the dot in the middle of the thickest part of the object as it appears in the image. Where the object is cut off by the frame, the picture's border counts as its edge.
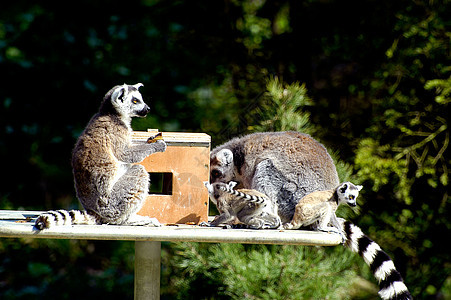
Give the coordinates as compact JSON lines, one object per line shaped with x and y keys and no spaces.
{"x":147,"y":270}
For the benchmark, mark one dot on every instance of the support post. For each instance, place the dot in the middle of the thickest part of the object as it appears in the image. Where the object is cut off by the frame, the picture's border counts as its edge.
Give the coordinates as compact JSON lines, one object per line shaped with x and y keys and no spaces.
{"x":147,"y":270}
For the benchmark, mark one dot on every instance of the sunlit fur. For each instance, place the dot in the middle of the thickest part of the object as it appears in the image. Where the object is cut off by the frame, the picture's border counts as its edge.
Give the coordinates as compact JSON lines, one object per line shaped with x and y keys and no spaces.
{"x":318,"y":208}
{"x":109,"y":183}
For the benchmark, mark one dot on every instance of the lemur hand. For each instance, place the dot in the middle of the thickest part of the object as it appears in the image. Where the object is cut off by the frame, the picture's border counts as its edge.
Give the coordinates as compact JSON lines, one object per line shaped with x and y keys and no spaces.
{"x":159,"y":146}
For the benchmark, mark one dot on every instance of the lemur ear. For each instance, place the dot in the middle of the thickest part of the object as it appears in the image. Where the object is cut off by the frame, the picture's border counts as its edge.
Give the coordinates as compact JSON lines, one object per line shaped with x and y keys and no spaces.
{"x":343,"y":188}
{"x":208,"y":186}
{"x":225,"y":156}
{"x":232,"y":184}
{"x":138,"y":85}
{"x":119,"y":94}
{"x":359,"y":187}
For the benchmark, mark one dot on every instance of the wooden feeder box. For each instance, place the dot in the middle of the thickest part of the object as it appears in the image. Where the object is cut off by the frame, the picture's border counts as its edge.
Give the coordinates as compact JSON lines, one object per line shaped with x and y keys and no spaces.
{"x":177,"y":193}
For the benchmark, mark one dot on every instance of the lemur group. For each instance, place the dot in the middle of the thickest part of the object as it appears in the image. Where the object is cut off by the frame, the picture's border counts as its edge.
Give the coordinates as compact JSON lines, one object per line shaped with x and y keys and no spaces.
{"x":267,"y":180}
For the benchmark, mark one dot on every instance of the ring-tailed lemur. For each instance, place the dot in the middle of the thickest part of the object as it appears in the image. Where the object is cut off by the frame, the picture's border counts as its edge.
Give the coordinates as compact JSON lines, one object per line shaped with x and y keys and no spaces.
{"x":248,"y":207}
{"x":110,"y":185}
{"x":318,"y":209}
{"x":285,"y":166}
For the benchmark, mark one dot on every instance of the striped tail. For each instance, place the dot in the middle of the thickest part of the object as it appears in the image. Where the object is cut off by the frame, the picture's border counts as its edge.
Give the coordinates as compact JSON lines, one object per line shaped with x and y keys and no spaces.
{"x":251,"y":198}
{"x":64,"y":217}
{"x":390,"y":281}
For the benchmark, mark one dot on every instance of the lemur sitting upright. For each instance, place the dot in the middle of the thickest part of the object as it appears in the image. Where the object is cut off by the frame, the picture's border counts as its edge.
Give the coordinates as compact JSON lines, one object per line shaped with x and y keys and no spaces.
{"x":248,"y":207}
{"x":318,"y":209}
{"x":109,"y":184}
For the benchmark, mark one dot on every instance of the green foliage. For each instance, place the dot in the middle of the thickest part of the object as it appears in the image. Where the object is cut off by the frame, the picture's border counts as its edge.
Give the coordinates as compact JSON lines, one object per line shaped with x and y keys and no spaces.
{"x":66,"y":269}
{"x":221,"y":103}
{"x":442,"y":88}
{"x":264,"y":272}
{"x":404,"y":154}
{"x":282,"y":108}
{"x":374,"y":164}
{"x":255,"y":29}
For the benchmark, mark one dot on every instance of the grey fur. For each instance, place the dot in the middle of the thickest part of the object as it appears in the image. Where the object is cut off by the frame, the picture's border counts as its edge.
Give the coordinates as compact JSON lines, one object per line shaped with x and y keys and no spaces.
{"x":109,"y":185}
{"x":285,"y":166}
{"x":243,"y":206}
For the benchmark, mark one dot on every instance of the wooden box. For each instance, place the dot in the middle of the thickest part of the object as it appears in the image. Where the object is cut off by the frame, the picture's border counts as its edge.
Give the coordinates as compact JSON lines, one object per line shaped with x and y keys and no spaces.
{"x":178,"y":174}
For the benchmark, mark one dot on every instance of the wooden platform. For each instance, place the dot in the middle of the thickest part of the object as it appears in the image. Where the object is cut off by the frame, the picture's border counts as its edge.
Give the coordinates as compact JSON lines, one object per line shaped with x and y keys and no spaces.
{"x":20,"y":224}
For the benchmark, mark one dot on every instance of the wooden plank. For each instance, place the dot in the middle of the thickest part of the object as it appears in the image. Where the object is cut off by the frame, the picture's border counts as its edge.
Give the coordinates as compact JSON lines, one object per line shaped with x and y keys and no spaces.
{"x":175,"y":138}
{"x":18,"y":215}
{"x":181,"y":233}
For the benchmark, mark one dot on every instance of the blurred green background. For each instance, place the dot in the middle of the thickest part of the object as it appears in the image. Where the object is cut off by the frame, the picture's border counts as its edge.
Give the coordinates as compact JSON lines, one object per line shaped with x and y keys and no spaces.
{"x":369,"y":79}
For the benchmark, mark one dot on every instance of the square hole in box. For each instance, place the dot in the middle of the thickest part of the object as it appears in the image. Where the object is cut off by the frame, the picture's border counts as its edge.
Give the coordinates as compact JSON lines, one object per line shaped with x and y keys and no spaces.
{"x":160,"y":183}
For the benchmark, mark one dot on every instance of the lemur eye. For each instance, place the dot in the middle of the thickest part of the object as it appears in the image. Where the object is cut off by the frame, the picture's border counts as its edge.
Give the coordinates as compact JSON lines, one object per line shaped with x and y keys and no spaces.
{"x":215,"y":174}
{"x":134,"y":101}
{"x":351,"y":197}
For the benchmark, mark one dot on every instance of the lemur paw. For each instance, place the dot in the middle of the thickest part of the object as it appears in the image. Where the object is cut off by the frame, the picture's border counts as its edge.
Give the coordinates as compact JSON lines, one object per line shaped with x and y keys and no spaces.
{"x":159,"y":146}
{"x":287,"y":226}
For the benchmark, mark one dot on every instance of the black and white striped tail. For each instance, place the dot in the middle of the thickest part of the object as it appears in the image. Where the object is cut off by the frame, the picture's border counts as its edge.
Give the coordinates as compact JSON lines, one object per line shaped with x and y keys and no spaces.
{"x":390,"y":281}
{"x":64,"y":217}
{"x":251,"y":198}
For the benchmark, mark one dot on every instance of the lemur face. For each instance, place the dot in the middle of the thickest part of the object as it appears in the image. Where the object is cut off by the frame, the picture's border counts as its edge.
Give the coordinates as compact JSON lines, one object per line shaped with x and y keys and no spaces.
{"x":214,"y":191}
{"x":348,"y":193}
{"x":222,"y":167}
{"x":128,"y":101}
{"x":217,"y":190}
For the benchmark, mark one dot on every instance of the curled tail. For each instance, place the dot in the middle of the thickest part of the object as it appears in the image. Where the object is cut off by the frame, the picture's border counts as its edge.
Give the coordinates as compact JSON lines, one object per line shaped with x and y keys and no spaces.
{"x":390,"y":281}
{"x":251,"y":198}
{"x":64,"y":217}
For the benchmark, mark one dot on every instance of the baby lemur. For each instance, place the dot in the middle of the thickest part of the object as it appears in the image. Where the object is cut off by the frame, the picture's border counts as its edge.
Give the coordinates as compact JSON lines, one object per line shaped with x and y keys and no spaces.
{"x":110,"y":185}
{"x":318,"y":209}
{"x":248,"y":207}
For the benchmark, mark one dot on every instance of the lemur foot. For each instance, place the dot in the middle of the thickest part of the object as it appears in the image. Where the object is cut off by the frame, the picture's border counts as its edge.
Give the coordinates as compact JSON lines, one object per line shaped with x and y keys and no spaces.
{"x":287,"y":226}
